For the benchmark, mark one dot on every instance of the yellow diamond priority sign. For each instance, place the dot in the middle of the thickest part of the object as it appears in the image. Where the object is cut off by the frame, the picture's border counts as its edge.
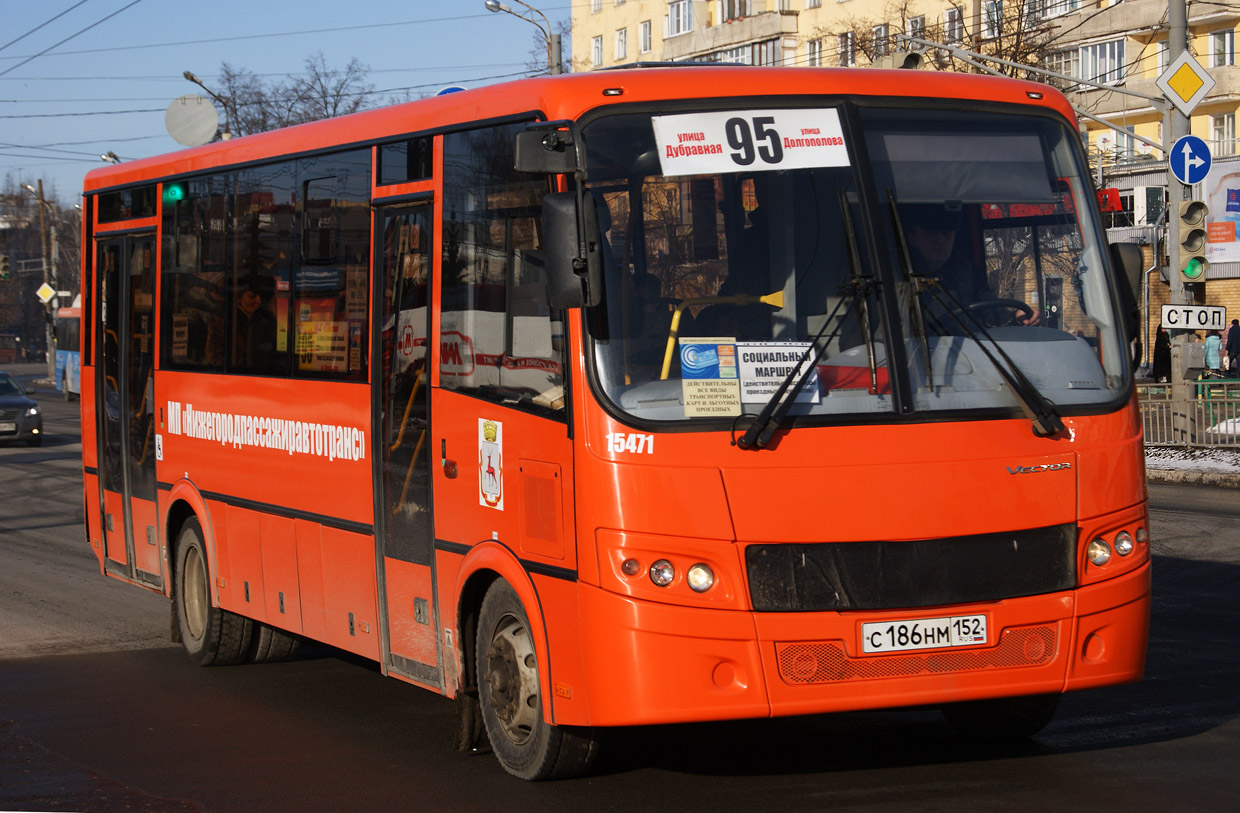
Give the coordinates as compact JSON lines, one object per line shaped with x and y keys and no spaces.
{"x":45,"y":293}
{"x":1185,"y":83}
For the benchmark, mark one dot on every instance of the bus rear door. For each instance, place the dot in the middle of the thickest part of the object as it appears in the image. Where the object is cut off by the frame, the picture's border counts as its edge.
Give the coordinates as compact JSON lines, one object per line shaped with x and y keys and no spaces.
{"x":125,"y":269}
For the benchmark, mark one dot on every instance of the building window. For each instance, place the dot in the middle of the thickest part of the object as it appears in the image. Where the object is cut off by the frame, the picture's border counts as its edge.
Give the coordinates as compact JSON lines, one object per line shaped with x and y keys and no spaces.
{"x":735,"y":9}
{"x":679,"y":18}
{"x":917,"y":26}
{"x":1103,"y":62}
{"x":643,"y":37}
{"x":953,"y":25}
{"x":596,"y":51}
{"x":622,"y":43}
{"x":1223,"y":48}
{"x":813,"y":3}
{"x":880,"y":39}
{"x":1054,"y":8}
{"x":1064,"y":62}
{"x":1224,"y":129}
{"x":847,"y":50}
{"x":596,"y":6}
{"x":813,"y":53}
{"x":992,"y":19}
{"x":1164,"y":57}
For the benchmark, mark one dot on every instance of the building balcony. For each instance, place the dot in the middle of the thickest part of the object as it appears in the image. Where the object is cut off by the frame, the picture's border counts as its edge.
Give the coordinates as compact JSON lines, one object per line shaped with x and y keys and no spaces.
{"x":710,"y":39}
{"x":1106,"y":103}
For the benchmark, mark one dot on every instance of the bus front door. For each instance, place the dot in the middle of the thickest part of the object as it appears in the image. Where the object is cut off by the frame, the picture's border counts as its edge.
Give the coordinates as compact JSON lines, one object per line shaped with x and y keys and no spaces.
{"x":125,"y":270}
{"x":405,"y":558}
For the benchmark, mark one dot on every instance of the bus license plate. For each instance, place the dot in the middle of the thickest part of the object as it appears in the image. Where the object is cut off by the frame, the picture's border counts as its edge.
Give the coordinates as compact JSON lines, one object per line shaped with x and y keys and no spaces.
{"x":923,"y":633}
{"x":8,"y":427}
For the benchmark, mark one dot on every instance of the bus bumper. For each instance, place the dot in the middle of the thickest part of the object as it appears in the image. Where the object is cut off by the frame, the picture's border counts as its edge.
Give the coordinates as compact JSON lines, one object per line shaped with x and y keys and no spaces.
{"x":651,"y":663}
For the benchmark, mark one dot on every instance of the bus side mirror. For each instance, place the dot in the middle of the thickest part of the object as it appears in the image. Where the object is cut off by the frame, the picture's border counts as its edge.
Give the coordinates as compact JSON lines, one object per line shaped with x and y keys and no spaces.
{"x":1127,"y":259}
{"x":546,"y":151}
{"x":572,"y":252}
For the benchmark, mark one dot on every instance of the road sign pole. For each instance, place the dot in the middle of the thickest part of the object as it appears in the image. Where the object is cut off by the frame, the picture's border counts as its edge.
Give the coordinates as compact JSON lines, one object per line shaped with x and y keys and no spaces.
{"x":1175,"y":126}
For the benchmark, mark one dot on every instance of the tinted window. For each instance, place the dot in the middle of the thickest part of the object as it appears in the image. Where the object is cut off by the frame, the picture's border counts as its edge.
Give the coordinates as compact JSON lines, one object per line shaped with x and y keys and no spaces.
{"x":405,"y":161}
{"x":500,"y":340}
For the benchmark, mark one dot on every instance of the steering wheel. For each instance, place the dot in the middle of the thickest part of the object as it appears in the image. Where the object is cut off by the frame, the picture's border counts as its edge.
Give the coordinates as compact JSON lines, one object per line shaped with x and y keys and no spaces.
{"x":990,"y":312}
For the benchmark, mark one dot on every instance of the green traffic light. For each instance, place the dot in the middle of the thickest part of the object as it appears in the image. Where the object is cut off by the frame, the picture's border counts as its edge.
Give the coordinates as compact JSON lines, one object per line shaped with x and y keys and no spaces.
{"x":1195,"y":269}
{"x":174,"y":192}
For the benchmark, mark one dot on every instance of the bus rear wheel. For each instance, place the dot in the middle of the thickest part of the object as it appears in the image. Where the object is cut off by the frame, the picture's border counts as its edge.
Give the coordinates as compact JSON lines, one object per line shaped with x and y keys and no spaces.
{"x":211,"y":636}
{"x":1002,"y":718}
{"x":508,"y":692}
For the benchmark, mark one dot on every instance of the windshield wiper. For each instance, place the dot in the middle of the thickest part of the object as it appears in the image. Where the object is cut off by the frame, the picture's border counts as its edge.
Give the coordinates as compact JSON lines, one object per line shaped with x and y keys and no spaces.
{"x":1039,"y":409}
{"x":856,"y":290}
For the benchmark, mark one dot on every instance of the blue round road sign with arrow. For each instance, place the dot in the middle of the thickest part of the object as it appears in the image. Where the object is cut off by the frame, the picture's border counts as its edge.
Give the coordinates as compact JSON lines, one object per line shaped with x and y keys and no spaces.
{"x":1189,"y":159}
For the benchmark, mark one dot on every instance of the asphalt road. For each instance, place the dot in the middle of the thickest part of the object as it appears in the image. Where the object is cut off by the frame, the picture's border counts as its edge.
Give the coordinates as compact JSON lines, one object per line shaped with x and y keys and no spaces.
{"x":98,"y":711}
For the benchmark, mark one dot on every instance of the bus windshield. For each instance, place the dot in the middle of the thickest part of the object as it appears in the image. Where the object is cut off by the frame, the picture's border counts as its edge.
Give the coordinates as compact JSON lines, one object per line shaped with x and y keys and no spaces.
{"x":884,"y":261}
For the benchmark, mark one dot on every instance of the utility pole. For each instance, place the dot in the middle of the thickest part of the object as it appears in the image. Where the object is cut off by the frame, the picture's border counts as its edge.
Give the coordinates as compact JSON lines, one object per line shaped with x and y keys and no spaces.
{"x":1176,"y":127}
{"x":50,"y":339}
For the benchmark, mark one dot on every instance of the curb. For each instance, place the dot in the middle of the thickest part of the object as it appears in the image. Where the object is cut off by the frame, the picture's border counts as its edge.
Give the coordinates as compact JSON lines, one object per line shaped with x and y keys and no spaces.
{"x":1202,"y":478}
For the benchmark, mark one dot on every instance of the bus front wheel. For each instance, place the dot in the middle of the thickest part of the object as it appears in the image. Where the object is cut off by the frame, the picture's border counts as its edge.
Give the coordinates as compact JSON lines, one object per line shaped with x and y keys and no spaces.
{"x":508,"y":692}
{"x":211,"y":636}
{"x":1002,"y":718}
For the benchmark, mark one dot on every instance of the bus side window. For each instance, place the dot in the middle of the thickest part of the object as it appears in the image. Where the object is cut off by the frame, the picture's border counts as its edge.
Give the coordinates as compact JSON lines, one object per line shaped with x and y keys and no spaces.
{"x":500,"y":339}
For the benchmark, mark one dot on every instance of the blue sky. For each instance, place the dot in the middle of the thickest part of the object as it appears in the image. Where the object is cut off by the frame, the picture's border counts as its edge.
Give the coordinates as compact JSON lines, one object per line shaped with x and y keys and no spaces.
{"x":129,"y":55}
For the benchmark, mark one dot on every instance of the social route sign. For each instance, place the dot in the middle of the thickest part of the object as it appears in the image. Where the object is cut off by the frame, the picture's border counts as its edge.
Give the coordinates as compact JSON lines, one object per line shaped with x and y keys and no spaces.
{"x":1194,"y":317}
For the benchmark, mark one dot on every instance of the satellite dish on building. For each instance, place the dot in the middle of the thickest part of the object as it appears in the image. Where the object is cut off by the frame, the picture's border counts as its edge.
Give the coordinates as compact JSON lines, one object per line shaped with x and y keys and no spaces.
{"x":192,"y":120}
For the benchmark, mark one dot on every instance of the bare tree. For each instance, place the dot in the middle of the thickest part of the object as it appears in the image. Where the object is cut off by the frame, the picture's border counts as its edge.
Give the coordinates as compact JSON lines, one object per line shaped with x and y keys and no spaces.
{"x":255,"y":105}
{"x":1013,"y":31}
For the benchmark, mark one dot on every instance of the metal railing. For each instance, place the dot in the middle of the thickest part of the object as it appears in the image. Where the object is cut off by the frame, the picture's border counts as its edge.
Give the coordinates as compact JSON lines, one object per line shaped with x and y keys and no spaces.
{"x":1209,"y":417}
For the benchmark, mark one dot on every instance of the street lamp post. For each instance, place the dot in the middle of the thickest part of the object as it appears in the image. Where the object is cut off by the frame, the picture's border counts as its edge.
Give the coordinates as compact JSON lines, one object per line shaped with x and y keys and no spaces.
{"x":221,"y":101}
{"x":47,"y":278}
{"x":553,"y":40}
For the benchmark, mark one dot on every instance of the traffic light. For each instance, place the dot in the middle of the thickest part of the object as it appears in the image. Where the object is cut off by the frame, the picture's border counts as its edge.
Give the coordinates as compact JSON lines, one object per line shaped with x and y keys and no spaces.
{"x":4,"y":266}
{"x":1190,"y":225}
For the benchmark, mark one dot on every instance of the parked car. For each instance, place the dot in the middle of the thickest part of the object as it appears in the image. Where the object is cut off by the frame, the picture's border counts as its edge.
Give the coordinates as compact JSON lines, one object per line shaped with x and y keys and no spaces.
{"x":20,"y":417}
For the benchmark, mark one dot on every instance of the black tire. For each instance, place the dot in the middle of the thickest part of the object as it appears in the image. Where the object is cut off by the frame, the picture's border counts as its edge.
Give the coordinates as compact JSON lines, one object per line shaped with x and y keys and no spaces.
{"x":512,"y":707}
{"x":211,"y":636}
{"x":1004,"y":718}
{"x":270,"y":644}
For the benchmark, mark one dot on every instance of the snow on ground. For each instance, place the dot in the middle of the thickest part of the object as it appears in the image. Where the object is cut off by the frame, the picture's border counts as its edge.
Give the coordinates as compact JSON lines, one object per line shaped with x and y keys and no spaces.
{"x":1205,"y":459}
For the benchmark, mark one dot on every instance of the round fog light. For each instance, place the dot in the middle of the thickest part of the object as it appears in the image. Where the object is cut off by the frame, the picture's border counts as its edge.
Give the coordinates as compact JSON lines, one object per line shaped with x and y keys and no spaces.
{"x":701,"y":578}
{"x":631,"y":567}
{"x":1099,"y":552}
{"x":662,"y":573}
{"x":1123,"y":543}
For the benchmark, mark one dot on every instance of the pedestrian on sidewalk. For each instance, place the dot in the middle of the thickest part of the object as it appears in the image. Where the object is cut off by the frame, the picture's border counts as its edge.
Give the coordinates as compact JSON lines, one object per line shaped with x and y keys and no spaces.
{"x":1233,"y":349}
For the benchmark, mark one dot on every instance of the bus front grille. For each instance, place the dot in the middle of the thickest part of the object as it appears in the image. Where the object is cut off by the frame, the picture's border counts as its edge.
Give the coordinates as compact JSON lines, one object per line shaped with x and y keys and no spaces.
{"x":885,"y":575}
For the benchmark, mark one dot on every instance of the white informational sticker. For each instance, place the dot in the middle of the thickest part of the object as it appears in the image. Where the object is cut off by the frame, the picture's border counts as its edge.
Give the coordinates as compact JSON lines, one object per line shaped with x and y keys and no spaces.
{"x":749,"y":140}
{"x":708,"y":378}
{"x":159,"y":446}
{"x":491,"y":464}
{"x":763,"y":367}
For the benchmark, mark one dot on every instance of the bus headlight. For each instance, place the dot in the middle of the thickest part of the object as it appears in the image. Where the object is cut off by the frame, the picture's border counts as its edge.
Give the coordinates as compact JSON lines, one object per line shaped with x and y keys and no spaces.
{"x":700,"y":578}
{"x":1123,"y":543}
{"x":662,"y":573}
{"x":1099,"y":552}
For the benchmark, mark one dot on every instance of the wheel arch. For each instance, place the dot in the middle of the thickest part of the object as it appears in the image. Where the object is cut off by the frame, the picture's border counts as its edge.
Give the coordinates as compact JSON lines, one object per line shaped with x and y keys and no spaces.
{"x":484,"y":565}
{"x":186,"y":503}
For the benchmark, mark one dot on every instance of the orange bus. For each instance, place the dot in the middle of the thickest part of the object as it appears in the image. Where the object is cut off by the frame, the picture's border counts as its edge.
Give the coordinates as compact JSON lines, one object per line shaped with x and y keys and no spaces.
{"x":632,"y":397}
